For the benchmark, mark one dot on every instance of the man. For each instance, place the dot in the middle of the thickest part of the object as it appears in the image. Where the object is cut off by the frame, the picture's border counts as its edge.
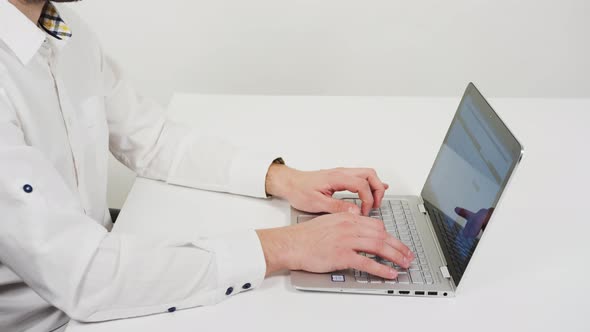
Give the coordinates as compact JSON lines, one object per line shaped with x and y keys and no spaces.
{"x":63,"y":106}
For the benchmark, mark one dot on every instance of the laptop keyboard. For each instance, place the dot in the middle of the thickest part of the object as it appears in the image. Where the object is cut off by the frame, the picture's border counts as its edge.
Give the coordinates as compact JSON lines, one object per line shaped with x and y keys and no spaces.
{"x":399,"y":222}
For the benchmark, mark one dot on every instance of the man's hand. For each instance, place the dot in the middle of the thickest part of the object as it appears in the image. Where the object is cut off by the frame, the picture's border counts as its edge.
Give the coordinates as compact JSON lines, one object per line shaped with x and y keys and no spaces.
{"x":312,"y":191}
{"x":332,"y":242}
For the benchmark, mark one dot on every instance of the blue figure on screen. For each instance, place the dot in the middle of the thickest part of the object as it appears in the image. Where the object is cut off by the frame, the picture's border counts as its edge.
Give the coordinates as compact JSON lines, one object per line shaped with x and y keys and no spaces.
{"x":476,"y":221}
{"x":467,"y":237}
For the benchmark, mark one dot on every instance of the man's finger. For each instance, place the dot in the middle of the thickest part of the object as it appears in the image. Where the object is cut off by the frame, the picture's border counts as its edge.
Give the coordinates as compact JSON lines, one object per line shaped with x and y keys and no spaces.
{"x":464,"y":212}
{"x":370,"y":266}
{"x":373,"y":228}
{"x":378,"y":189}
{"x":377,"y":186}
{"x":333,"y":205}
{"x":399,"y":246}
{"x":382,"y":249}
{"x":356,"y":185}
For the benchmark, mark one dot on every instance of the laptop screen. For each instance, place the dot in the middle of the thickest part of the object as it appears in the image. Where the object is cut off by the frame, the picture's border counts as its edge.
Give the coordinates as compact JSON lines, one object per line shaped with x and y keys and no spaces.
{"x":469,"y":174}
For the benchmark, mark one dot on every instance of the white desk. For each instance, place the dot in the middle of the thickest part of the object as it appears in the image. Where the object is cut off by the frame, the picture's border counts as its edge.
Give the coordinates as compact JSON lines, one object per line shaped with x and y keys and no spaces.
{"x":530,"y":273}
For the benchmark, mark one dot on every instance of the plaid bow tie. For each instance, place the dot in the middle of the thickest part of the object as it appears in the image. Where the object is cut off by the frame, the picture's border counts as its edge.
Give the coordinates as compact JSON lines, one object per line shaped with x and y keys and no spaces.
{"x":51,"y":22}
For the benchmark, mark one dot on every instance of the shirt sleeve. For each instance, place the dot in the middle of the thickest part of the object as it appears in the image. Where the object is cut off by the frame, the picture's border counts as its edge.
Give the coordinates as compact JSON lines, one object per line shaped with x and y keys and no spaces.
{"x":92,"y":275}
{"x":145,"y":140}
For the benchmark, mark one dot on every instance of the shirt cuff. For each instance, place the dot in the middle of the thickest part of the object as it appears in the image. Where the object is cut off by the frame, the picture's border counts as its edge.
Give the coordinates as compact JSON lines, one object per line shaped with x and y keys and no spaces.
{"x":240,"y":262}
{"x":248,"y":173}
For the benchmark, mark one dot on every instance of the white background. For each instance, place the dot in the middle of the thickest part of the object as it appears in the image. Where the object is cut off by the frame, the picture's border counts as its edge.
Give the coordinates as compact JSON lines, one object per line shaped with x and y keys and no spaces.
{"x":525,"y":48}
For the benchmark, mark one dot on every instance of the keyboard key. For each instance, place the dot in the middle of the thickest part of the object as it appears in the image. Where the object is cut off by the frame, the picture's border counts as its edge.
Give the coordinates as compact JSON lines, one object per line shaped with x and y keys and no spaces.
{"x":390,"y":281}
{"x":337,"y":278}
{"x":416,"y":277}
{"x":362,"y":280}
{"x":376,"y":280}
{"x":403,"y":278}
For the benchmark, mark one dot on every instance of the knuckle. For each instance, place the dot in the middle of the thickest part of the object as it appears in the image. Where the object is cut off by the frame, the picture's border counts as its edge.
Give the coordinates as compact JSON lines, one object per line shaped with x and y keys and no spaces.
{"x":348,"y":216}
{"x":356,"y":184}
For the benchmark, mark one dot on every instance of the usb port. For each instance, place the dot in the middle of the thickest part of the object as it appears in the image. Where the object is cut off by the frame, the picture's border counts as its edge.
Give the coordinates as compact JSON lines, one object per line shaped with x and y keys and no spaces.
{"x":389,"y":292}
{"x":419,"y":292}
{"x":404,"y":292}
{"x":433,"y":293}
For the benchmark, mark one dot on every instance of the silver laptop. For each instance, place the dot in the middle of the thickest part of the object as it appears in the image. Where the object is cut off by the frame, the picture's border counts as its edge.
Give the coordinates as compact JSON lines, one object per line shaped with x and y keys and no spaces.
{"x":443,"y":225}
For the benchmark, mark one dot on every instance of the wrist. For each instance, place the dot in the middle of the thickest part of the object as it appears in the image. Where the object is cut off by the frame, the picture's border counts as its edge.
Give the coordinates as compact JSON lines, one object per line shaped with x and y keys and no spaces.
{"x":276,"y":245}
{"x":278,"y":180}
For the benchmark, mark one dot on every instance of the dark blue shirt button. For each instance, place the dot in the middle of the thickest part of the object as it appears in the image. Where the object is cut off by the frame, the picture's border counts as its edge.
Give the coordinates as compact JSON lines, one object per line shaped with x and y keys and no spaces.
{"x":172,"y":309}
{"x":27,"y":188}
{"x":247,"y":285}
{"x":229,"y":291}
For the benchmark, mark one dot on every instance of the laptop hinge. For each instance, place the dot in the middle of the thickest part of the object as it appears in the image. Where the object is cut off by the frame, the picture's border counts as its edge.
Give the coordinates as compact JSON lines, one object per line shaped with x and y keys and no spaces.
{"x":422,"y":208}
{"x":445,"y":272}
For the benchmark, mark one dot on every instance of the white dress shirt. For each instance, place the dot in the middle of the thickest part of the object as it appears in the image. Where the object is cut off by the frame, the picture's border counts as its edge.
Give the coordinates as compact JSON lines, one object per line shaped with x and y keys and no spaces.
{"x":63,"y":106}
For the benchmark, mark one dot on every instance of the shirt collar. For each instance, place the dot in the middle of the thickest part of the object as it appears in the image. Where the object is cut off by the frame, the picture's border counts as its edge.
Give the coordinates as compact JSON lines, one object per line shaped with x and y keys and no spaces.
{"x":53,"y":24}
{"x":21,"y":35}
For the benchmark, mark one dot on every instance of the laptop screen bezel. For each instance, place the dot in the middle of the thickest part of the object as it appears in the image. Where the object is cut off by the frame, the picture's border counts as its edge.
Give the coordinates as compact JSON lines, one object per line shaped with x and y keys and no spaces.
{"x":512,"y":143}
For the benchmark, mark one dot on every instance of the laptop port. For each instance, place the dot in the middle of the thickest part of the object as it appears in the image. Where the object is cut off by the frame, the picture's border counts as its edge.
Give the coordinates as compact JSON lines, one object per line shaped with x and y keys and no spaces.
{"x":389,"y":292}
{"x":404,"y":292}
{"x":433,"y":293}
{"x":419,"y":292}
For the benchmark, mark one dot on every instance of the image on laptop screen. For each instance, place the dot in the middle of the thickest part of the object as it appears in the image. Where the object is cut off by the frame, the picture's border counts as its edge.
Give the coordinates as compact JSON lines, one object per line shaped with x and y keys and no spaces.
{"x":468,"y":177}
